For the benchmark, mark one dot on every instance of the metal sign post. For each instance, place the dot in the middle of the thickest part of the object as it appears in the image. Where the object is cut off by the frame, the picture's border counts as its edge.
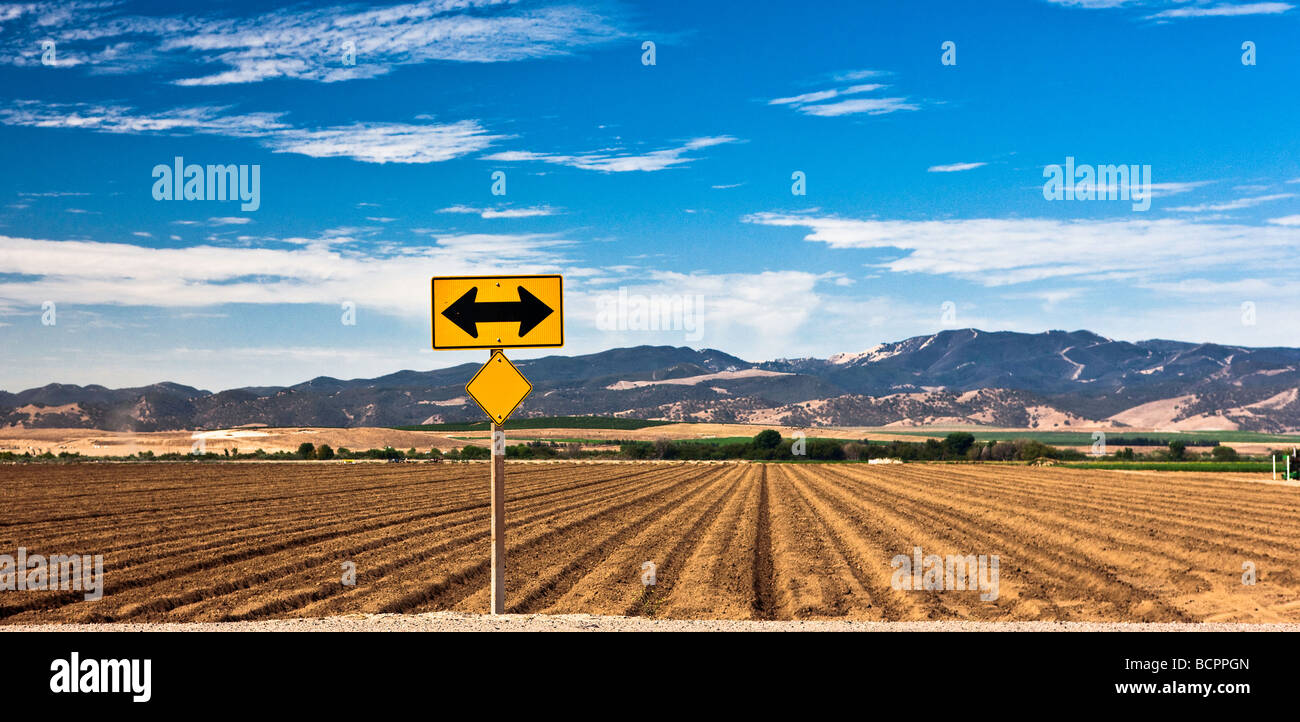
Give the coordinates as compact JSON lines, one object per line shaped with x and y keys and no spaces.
{"x":498,"y":504}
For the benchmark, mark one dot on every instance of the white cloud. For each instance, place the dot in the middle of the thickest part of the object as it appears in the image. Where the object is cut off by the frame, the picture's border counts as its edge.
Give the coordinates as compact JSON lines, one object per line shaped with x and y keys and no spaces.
{"x":759,"y":315}
{"x":1285,"y":221}
{"x":1050,"y":298}
{"x":1162,"y":190}
{"x":1224,"y":10}
{"x":1157,"y":190}
{"x":762,"y":313}
{"x":386,"y":142}
{"x":122,"y":119}
{"x":813,"y":103}
{"x":365,"y":142}
{"x":1242,"y":288}
{"x":870,"y":106}
{"x":125,"y":274}
{"x":1095,"y":4}
{"x":300,"y":41}
{"x":1184,"y":8}
{"x":825,"y":95}
{"x":954,"y":167}
{"x":490,"y":213}
{"x":230,"y":220}
{"x":997,"y":252}
{"x":617,"y":161}
{"x":855,"y":75}
{"x":1177,"y":9}
{"x":1232,"y":205}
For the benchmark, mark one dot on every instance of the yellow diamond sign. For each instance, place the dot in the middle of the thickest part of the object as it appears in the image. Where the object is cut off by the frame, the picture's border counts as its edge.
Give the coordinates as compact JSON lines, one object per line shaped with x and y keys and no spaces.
{"x":498,"y":387}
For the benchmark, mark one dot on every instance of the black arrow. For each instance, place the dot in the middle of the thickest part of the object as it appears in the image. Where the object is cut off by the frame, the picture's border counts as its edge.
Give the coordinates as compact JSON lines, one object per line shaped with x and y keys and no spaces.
{"x":467,"y":313}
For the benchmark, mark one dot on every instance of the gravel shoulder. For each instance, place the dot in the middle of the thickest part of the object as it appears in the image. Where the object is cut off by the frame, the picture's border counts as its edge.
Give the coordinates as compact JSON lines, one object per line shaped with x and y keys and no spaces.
{"x":457,"y":622}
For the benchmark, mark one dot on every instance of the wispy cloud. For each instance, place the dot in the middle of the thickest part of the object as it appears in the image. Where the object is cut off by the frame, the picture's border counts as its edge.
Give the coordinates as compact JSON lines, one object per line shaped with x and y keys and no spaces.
{"x":954,"y":167}
{"x":870,"y":106}
{"x":386,"y":142}
{"x":300,"y":41}
{"x":1234,"y":205}
{"x":1094,"y":3}
{"x":1223,"y":10}
{"x":367,"y":142}
{"x":815,"y":102}
{"x":490,"y":213}
{"x":820,"y":95}
{"x":1183,"y":8}
{"x":617,"y":160}
{"x":209,"y":120}
{"x":997,"y":252}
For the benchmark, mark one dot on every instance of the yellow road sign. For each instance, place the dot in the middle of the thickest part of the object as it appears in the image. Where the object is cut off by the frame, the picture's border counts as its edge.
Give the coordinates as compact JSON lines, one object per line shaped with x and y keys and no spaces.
{"x":498,"y":311}
{"x":498,"y":387}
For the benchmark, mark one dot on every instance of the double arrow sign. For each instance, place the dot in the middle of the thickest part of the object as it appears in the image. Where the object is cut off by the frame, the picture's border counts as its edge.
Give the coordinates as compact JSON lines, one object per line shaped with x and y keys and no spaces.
{"x":468,"y":312}
{"x":498,"y":312}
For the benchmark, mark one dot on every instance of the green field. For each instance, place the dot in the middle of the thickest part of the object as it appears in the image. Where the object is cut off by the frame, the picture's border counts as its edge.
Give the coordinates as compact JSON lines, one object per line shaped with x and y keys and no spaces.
{"x":747,"y":439}
{"x":546,"y":422}
{"x":1206,"y":466}
{"x":1115,"y":438}
{"x":705,"y":440}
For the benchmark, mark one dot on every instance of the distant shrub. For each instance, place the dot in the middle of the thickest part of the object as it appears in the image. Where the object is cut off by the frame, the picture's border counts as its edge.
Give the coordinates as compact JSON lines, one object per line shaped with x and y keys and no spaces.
{"x":957,"y":444}
{"x":636,"y":449}
{"x":470,"y":451}
{"x":767,"y":439}
{"x":1225,"y":453}
{"x":1178,"y":450}
{"x":854,"y":451}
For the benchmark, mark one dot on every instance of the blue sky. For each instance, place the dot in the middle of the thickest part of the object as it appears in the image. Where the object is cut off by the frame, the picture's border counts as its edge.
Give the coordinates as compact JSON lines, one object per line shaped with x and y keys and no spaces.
{"x":924,"y":180}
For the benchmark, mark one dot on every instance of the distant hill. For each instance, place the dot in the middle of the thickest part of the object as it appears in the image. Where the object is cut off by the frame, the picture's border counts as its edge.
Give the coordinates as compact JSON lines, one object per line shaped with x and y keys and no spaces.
{"x":1055,"y":379}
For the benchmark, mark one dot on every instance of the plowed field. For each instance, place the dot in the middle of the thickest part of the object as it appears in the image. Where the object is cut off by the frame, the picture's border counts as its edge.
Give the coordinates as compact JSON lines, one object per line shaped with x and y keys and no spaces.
{"x":237,"y":541}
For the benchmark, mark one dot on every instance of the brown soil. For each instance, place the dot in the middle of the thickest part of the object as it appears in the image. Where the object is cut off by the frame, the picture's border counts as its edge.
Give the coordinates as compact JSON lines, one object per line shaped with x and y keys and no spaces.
{"x":246,"y":541}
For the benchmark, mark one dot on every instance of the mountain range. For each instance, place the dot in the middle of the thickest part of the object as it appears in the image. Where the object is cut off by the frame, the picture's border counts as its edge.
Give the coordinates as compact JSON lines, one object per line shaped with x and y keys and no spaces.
{"x":1055,"y":379}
